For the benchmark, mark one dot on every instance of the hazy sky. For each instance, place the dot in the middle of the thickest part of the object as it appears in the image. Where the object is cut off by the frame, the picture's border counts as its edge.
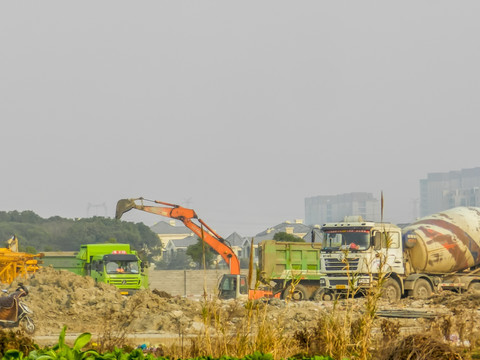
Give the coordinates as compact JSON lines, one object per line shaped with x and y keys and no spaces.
{"x":239,"y":110}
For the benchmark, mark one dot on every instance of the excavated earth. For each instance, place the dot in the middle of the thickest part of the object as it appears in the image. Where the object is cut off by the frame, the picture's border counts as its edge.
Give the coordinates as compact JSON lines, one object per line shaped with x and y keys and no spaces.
{"x":60,"y":298}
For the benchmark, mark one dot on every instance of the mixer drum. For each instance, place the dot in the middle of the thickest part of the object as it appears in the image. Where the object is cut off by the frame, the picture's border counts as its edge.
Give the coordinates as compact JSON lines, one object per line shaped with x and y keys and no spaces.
{"x":448,"y":241}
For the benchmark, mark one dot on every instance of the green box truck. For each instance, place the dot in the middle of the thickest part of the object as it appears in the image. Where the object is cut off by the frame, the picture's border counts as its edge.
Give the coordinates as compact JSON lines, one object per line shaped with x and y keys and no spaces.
{"x":293,"y":268}
{"x":115,"y":264}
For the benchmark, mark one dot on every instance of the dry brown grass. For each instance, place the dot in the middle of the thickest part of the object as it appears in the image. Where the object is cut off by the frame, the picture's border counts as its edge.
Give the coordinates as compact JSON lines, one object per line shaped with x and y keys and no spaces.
{"x":419,"y":347}
{"x":15,"y":340}
{"x":329,"y":337}
{"x":223,"y":334}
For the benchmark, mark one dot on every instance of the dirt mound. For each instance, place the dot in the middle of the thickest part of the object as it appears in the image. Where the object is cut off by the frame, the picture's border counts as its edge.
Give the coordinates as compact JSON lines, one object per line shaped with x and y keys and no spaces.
{"x":454,"y":300}
{"x":59,"y":298}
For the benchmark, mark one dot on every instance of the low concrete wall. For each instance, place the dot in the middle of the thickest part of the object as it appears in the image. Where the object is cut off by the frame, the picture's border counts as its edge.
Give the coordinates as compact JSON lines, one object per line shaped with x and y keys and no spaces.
{"x":190,"y":283}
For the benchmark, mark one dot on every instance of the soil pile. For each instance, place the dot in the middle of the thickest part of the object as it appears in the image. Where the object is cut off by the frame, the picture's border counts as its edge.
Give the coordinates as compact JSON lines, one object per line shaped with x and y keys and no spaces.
{"x":59,"y":298}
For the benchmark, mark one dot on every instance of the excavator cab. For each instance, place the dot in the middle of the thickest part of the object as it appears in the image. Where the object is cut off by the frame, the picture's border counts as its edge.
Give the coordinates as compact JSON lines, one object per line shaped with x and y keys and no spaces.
{"x":232,"y":286}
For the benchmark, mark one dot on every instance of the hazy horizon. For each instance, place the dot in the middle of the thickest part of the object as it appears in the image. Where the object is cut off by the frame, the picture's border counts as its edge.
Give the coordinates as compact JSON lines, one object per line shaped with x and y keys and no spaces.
{"x":237,"y":110}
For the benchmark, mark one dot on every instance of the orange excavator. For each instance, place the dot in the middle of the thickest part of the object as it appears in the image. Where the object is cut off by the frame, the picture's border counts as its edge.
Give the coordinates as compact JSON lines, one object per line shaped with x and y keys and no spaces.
{"x":233,"y":285}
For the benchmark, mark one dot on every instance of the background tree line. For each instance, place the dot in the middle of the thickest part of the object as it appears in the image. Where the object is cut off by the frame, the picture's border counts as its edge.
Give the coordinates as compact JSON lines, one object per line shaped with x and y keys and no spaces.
{"x":36,"y":234}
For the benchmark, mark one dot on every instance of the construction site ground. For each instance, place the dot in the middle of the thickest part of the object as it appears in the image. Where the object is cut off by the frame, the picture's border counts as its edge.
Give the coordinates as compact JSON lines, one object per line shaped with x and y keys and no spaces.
{"x":172,"y":308}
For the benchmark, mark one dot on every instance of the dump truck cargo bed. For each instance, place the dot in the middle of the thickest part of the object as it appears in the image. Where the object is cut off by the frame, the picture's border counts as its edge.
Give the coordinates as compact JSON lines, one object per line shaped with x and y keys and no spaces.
{"x":63,"y":260}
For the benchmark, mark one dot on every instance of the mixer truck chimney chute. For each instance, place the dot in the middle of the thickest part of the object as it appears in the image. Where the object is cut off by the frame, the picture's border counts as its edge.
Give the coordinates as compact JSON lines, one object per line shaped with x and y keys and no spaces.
{"x":440,"y":251}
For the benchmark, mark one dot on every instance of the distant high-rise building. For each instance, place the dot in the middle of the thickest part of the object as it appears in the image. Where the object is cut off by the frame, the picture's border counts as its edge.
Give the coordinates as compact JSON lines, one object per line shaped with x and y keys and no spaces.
{"x":442,"y":191}
{"x":332,"y":208}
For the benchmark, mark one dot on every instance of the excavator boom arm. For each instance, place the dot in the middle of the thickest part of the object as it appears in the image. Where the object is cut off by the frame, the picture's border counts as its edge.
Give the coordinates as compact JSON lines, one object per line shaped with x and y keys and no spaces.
{"x":185,"y":215}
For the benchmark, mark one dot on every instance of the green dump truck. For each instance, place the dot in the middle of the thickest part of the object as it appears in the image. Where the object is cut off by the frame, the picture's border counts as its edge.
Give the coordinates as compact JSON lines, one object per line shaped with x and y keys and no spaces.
{"x":293,"y":268}
{"x":115,"y":264}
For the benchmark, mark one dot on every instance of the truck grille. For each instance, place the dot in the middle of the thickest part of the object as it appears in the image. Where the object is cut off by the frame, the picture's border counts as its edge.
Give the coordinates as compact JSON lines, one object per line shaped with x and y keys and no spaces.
{"x":125,"y":282}
{"x":332,"y":264}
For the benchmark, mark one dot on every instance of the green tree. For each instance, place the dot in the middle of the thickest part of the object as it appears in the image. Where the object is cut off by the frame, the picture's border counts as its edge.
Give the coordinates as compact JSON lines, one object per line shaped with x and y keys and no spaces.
{"x":61,"y":234}
{"x":283,"y":236}
{"x":30,"y":250}
{"x":195,"y":251}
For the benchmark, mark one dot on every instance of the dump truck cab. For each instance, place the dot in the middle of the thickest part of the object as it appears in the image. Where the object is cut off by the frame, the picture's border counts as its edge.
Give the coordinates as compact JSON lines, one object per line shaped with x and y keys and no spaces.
{"x":114,"y":264}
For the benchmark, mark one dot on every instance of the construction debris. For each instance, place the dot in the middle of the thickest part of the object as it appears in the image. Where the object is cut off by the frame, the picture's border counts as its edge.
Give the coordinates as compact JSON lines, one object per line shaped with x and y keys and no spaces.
{"x":14,"y":264}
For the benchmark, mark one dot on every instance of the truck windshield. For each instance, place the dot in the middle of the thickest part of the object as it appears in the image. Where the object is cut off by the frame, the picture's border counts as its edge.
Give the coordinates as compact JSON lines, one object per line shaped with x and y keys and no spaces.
{"x":122,"y":267}
{"x":352,"y":240}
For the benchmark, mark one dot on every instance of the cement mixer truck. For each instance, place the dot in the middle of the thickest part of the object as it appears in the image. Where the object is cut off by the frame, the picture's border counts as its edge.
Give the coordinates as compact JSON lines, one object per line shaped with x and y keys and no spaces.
{"x":440,"y":251}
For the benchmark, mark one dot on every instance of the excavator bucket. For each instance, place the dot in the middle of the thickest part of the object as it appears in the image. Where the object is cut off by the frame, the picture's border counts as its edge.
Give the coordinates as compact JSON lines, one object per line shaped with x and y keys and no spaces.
{"x":123,"y":206}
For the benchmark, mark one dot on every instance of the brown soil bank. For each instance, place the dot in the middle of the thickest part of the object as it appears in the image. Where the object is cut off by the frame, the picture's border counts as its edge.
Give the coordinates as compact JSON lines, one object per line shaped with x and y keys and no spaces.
{"x":60,"y":298}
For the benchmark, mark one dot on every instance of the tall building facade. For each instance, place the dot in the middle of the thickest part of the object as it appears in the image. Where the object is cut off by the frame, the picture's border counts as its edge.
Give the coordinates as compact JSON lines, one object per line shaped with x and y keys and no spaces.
{"x":442,"y":191}
{"x":333,"y":208}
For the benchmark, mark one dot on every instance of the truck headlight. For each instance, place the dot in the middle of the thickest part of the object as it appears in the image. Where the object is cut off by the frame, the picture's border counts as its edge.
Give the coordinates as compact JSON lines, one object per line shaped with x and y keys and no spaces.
{"x":322,"y":282}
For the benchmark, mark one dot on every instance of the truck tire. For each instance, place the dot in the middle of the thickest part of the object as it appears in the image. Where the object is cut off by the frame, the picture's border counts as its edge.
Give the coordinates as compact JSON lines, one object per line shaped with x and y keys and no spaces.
{"x":323,"y":295}
{"x":474,"y":287}
{"x":295,"y":293}
{"x":391,"y":290}
{"x":421,"y":289}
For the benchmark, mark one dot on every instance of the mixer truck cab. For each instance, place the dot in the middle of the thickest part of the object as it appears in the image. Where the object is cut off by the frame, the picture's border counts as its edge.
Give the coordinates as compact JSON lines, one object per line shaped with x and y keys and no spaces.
{"x":354,"y":252}
{"x":439,"y":251}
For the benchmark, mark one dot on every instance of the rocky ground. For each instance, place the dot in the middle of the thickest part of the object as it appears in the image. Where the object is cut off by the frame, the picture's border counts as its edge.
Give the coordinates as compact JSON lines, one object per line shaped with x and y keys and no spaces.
{"x":60,"y":298}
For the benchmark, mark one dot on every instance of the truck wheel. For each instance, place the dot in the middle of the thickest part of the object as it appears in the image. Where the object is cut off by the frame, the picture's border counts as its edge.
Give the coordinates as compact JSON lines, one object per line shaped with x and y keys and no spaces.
{"x":474,"y":288}
{"x":295,"y":293}
{"x":323,"y":295}
{"x":391,"y":290}
{"x":422,"y":289}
